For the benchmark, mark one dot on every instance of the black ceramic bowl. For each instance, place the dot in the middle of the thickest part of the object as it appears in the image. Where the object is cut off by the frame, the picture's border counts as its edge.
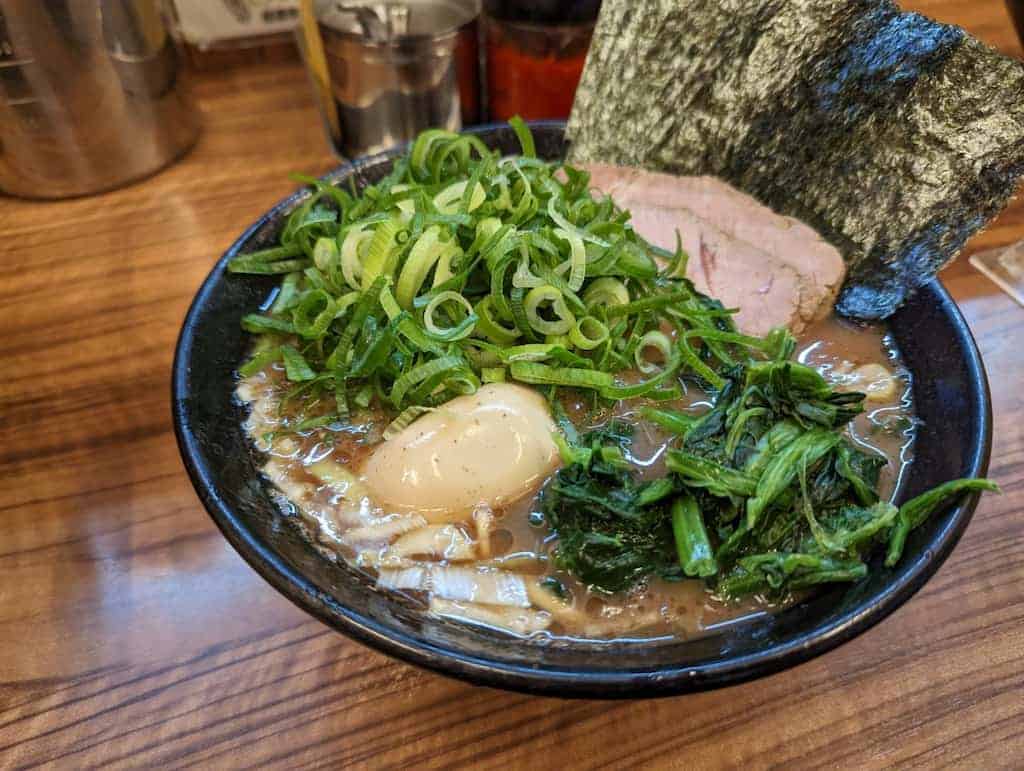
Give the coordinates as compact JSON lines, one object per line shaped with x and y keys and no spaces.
{"x":950,"y":391}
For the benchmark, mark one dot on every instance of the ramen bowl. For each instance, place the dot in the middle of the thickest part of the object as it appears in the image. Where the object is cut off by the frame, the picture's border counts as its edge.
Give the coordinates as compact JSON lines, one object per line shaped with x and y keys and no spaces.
{"x":951,"y":400}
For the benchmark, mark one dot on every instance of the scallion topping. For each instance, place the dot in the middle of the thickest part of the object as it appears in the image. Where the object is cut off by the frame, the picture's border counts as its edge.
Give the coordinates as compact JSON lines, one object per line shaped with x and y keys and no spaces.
{"x":462,"y":267}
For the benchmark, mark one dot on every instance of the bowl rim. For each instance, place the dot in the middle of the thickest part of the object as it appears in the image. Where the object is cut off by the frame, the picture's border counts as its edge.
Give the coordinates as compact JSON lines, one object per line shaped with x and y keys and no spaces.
{"x":565,"y":682}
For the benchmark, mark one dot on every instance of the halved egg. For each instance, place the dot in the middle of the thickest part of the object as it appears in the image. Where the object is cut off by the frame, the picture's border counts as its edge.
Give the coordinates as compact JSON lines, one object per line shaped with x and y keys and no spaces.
{"x":490,"y":448}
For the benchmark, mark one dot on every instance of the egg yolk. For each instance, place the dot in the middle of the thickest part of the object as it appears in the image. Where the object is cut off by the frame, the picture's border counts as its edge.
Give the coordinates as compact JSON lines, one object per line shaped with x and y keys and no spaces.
{"x":492,"y":447}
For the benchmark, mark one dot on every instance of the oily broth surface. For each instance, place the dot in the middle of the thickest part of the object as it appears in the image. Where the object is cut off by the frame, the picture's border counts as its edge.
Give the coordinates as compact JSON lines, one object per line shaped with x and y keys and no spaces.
{"x":886,"y":427}
{"x":655,"y":609}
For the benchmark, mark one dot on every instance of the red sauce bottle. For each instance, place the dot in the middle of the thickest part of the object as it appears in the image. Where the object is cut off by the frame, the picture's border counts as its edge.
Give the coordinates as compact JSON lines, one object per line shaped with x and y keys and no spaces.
{"x":535,"y":54}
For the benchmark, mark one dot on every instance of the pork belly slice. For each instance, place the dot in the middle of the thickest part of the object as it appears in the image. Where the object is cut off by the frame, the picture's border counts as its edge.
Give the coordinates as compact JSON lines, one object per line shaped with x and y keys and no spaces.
{"x":775,"y":269}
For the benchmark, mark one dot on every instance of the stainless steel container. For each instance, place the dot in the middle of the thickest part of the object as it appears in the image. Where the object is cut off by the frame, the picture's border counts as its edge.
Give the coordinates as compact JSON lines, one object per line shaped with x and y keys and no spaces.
{"x":91,"y":96}
{"x":396,"y":68}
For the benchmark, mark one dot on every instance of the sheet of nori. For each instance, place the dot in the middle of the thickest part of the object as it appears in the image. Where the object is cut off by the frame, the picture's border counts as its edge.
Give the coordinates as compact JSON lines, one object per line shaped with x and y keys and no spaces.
{"x":894,"y":136}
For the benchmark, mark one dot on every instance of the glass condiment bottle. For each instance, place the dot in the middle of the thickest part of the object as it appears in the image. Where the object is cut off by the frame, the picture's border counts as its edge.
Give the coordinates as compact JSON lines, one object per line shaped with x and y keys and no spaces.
{"x":535,"y":53}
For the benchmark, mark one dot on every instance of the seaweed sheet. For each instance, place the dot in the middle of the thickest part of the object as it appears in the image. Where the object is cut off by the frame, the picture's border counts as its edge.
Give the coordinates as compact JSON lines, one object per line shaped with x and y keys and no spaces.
{"x":896,"y":137}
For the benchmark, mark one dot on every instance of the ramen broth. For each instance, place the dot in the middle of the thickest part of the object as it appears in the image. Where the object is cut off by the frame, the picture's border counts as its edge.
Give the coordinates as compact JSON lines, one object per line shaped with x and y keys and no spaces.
{"x":517,"y":540}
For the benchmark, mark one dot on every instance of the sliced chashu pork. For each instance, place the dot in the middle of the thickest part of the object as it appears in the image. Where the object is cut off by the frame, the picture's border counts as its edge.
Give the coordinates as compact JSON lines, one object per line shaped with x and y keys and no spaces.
{"x":776,"y":270}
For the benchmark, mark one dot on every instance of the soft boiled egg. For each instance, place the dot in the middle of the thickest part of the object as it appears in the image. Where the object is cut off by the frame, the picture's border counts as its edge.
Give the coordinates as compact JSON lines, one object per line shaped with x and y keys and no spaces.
{"x":489,"y":448}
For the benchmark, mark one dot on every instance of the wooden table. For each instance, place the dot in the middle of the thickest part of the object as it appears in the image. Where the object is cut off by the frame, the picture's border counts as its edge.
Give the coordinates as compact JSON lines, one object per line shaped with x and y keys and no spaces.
{"x":132,"y":635}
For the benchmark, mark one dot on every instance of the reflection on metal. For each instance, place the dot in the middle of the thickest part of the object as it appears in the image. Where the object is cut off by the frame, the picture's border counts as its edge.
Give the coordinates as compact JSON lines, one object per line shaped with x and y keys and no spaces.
{"x":90,"y":98}
{"x":394,"y":69}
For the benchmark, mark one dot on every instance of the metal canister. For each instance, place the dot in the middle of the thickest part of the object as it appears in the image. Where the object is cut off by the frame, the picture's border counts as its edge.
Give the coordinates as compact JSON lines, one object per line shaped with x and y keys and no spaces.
{"x":396,"y":68}
{"x":91,"y":96}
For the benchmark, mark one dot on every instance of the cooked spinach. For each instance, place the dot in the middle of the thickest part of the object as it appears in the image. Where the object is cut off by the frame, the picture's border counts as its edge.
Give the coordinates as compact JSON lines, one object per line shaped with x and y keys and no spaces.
{"x":613,"y":530}
{"x":764,"y":495}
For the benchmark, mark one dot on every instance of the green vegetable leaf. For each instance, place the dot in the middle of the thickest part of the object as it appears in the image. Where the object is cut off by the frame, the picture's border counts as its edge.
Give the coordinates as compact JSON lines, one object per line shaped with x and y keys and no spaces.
{"x":296,"y":368}
{"x":914,"y":512}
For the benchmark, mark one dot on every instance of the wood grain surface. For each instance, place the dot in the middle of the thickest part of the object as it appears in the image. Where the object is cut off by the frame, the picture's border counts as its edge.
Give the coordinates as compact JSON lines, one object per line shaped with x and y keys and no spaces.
{"x":131,"y":635}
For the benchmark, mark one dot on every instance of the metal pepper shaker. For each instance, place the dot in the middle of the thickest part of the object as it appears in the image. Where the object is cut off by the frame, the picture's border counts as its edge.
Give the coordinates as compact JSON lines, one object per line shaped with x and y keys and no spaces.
{"x":395,"y":68}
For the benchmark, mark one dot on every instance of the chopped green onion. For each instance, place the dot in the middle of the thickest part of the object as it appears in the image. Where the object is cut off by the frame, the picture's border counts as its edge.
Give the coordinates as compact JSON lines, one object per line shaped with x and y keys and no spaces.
{"x":525,"y":137}
{"x":313,"y":314}
{"x":541,"y":352}
{"x":606,"y":292}
{"x":260,"y":361}
{"x":423,"y":256}
{"x":364,"y":396}
{"x":449,"y":334}
{"x":548,"y":294}
{"x":351,"y":261}
{"x":272,"y":254}
{"x":376,"y":350}
{"x":493,"y":374}
{"x":258,"y":324}
{"x":655,"y":303}
{"x":260,"y":268}
{"x":412,"y":332}
{"x":490,"y":327}
{"x":567,"y":226}
{"x":345,"y":302}
{"x":680,"y":259}
{"x":654,"y":339}
{"x":671,"y":420}
{"x":448,"y":200}
{"x":317,"y":422}
{"x":517,"y":309}
{"x":289,"y":288}
{"x":523,"y":278}
{"x":325,"y":253}
{"x":577,"y":262}
{"x":542,"y":374}
{"x":343,"y":350}
{"x":405,"y":419}
{"x":446,"y":365}
{"x":296,"y":368}
{"x":588,"y":333}
{"x":381,"y":245}
{"x":647,"y":386}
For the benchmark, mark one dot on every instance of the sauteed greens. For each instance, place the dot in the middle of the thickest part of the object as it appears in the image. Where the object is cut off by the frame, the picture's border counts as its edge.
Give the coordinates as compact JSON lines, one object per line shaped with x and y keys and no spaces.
{"x":462,"y":267}
{"x":765,"y":495}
